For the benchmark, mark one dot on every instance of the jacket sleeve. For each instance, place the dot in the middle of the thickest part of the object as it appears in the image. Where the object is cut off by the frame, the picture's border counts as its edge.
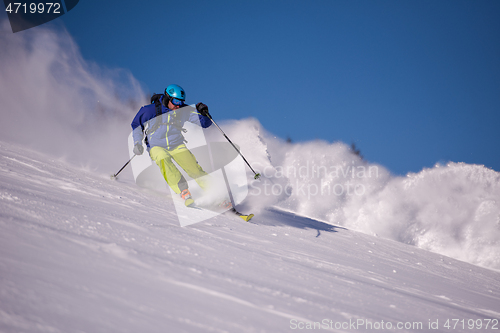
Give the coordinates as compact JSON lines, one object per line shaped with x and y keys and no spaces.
{"x":138,"y":124}
{"x":196,"y":118}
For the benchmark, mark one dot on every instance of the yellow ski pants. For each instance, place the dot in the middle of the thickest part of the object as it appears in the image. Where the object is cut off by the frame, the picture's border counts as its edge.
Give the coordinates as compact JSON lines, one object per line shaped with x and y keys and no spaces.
{"x":186,"y":160}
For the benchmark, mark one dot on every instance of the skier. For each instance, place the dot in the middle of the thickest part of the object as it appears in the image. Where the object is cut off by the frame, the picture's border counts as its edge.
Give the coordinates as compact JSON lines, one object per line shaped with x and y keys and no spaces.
{"x":162,"y":122}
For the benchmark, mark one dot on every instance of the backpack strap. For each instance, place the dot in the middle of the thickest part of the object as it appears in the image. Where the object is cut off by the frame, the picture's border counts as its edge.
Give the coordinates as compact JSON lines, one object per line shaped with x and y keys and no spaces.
{"x":156,"y":100}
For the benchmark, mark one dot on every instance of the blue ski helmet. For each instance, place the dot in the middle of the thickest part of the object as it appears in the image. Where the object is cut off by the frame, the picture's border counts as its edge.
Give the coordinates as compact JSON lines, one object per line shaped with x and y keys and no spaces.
{"x":175,"y":91}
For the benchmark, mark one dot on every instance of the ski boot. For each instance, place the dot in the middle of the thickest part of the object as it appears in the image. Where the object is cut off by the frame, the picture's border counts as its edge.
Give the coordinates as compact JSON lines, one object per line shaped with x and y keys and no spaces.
{"x":186,"y":196}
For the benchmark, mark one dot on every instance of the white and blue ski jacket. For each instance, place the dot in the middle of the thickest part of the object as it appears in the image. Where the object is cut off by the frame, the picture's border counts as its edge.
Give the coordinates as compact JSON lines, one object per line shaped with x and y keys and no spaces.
{"x":166,"y":129}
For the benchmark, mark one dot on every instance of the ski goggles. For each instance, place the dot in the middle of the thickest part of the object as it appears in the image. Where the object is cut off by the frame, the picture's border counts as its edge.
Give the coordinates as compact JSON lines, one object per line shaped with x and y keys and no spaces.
{"x":177,"y":102}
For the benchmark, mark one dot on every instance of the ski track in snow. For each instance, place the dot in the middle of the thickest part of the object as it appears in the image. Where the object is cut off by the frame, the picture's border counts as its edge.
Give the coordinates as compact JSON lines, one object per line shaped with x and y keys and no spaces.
{"x":81,"y":253}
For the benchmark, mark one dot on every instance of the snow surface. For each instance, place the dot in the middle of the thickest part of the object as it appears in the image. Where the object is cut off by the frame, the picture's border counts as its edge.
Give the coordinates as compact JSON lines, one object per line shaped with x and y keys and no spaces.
{"x":335,"y":238}
{"x":82,"y":253}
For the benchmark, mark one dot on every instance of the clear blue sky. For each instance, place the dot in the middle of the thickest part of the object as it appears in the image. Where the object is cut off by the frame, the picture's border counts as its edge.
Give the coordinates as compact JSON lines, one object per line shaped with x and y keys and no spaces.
{"x":412,"y":83}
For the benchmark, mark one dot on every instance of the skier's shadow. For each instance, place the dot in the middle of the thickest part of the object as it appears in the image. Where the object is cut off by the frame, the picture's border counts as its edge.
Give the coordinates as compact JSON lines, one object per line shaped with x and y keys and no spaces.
{"x":284,"y":218}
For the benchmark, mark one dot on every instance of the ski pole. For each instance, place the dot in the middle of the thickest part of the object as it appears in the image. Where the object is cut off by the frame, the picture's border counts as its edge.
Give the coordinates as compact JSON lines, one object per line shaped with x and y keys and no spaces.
{"x":123,"y":167}
{"x":257,"y":175}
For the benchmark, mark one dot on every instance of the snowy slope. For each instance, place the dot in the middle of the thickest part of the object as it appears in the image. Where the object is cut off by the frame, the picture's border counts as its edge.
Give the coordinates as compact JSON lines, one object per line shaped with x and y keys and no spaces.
{"x":82,"y":111}
{"x":81,"y":253}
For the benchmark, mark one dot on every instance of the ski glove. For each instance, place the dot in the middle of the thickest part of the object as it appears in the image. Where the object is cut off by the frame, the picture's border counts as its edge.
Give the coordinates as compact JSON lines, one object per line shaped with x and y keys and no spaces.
{"x":138,"y":149}
{"x":202,"y":109}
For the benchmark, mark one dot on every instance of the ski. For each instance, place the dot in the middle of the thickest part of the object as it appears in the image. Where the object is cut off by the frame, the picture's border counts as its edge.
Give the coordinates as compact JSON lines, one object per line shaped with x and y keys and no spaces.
{"x":232,"y":210}
{"x":245,"y":218}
